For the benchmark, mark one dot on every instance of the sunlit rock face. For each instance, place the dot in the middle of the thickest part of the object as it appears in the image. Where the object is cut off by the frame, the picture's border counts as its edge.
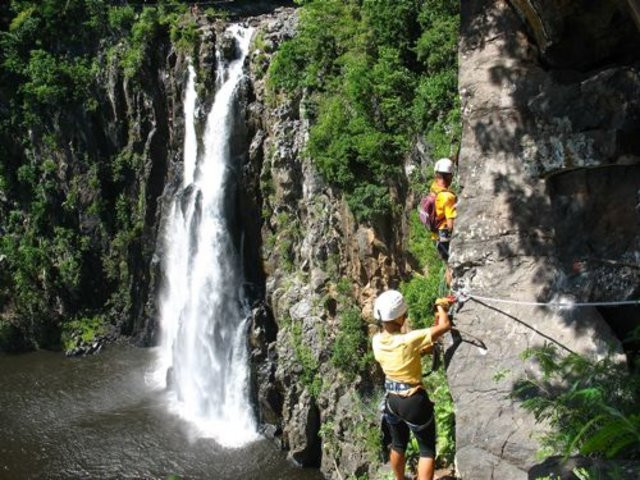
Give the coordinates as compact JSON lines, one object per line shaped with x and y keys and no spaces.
{"x":300,"y":240}
{"x":550,"y":175}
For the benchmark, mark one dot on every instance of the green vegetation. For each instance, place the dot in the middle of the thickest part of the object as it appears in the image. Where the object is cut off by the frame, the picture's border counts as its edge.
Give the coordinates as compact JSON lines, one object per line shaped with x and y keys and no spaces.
{"x":438,"y":388}
{"x":288,"y":236}
{"x":84,"y":330}
{"x":364,"y":430}
{"x":216,"y":14}
{"x":351,"y":351}
{"x":305,"y":358}
{"x":424,"y":288}
{"x":591,"y":405}
{"x":376,"y":74}
{"x":147,"y":27}
{"x":74,"y":216}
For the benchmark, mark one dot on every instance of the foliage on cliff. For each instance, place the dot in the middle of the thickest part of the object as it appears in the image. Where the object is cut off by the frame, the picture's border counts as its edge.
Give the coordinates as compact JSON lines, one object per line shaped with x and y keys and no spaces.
{"x":374,"y":75}
{"x":591,"y":405}
{"x":72,"y":207}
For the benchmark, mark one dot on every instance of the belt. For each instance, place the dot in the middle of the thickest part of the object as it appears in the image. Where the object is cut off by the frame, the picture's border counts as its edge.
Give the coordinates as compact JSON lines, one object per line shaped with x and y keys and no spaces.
{"x":391,"y":386}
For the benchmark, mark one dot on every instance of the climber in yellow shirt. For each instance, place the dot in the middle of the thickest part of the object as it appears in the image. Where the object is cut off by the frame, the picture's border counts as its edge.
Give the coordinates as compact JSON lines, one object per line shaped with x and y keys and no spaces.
{"x":407,"y":405}
{"x":445,"y":204}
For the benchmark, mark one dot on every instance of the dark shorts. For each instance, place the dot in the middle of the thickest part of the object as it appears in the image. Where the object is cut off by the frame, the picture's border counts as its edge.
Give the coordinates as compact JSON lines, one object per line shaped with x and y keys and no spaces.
{"x":415,"y":414}
{"x":442,"y":243}
{"x":443,"y":250}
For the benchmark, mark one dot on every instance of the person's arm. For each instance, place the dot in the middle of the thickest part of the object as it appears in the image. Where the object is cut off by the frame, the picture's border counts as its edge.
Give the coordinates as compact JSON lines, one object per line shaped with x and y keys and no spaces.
{"x":441,"y":325}
{"x":450,"y":211}
{"x":450,"y":225}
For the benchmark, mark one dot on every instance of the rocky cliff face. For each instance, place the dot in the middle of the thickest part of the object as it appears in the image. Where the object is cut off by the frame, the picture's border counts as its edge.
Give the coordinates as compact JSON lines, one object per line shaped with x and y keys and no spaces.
{"x":145,"y":121}
{"x":550,"y":173}
{"x":107,"y":165}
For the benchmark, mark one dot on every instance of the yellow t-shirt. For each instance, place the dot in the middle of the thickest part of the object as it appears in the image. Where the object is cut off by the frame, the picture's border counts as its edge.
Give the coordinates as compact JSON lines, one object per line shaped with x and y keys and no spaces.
{"x":445,"y":205}
{"x":399,"y":354}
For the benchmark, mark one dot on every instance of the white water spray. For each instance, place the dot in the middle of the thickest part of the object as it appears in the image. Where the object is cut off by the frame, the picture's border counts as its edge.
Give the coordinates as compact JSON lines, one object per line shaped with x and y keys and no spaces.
{"x":203,"y":326}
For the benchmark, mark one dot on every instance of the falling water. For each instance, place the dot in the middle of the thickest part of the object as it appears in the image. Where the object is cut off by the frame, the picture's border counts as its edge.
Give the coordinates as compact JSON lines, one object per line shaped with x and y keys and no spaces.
{"x":204,"y":351}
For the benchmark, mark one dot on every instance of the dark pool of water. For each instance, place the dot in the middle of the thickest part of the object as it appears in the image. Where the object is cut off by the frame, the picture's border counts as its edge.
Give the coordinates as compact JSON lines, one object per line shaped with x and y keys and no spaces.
{"x":96,"y":417}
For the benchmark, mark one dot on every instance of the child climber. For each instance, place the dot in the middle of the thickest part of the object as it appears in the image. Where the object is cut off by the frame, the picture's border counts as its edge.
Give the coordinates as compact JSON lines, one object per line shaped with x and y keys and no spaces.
{"x":407,"y":405}
{"x":445,"y":206}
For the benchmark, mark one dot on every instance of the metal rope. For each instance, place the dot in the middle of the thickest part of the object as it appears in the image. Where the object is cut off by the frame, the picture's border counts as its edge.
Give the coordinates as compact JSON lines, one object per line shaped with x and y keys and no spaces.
{"x":463,"y":296}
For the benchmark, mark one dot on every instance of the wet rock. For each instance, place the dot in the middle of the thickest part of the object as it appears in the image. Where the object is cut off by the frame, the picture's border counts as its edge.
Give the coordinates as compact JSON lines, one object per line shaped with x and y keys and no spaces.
{"x":169,"y":378}
{"x":228,"y":47}
{"x":264,"y":330}
{"x":269,"y":431}
{"x":302,"y":433}
{"x":207,"y":57}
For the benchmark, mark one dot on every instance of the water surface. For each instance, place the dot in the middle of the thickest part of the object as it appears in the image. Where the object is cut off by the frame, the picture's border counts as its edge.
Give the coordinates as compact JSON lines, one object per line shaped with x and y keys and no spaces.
{"x":99,"y":417}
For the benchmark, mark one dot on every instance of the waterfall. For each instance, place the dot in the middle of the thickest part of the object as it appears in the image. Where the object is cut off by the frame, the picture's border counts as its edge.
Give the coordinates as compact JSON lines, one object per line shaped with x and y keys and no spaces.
{"x":203,"y":349}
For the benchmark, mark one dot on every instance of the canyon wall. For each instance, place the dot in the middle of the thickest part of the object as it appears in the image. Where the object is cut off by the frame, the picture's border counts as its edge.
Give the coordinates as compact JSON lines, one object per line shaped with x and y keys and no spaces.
{"x":549,"y":171}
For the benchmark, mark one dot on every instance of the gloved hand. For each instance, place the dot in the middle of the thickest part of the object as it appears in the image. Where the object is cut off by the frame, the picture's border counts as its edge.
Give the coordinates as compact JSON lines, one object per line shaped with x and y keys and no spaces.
{"x":444,"y":302}
{"x":426,"y":350}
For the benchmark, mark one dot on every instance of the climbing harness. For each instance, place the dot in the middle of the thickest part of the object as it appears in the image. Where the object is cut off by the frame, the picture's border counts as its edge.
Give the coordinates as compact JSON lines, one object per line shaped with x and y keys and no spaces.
{"x":391,"y":386}
{"x":393,"y":418}
{"x":462,"y":296}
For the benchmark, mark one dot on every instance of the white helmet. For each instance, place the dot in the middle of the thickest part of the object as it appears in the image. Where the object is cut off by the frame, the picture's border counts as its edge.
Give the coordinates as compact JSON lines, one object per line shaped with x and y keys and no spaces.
{"x":389,"y":306}
{"x":444,"y":165}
